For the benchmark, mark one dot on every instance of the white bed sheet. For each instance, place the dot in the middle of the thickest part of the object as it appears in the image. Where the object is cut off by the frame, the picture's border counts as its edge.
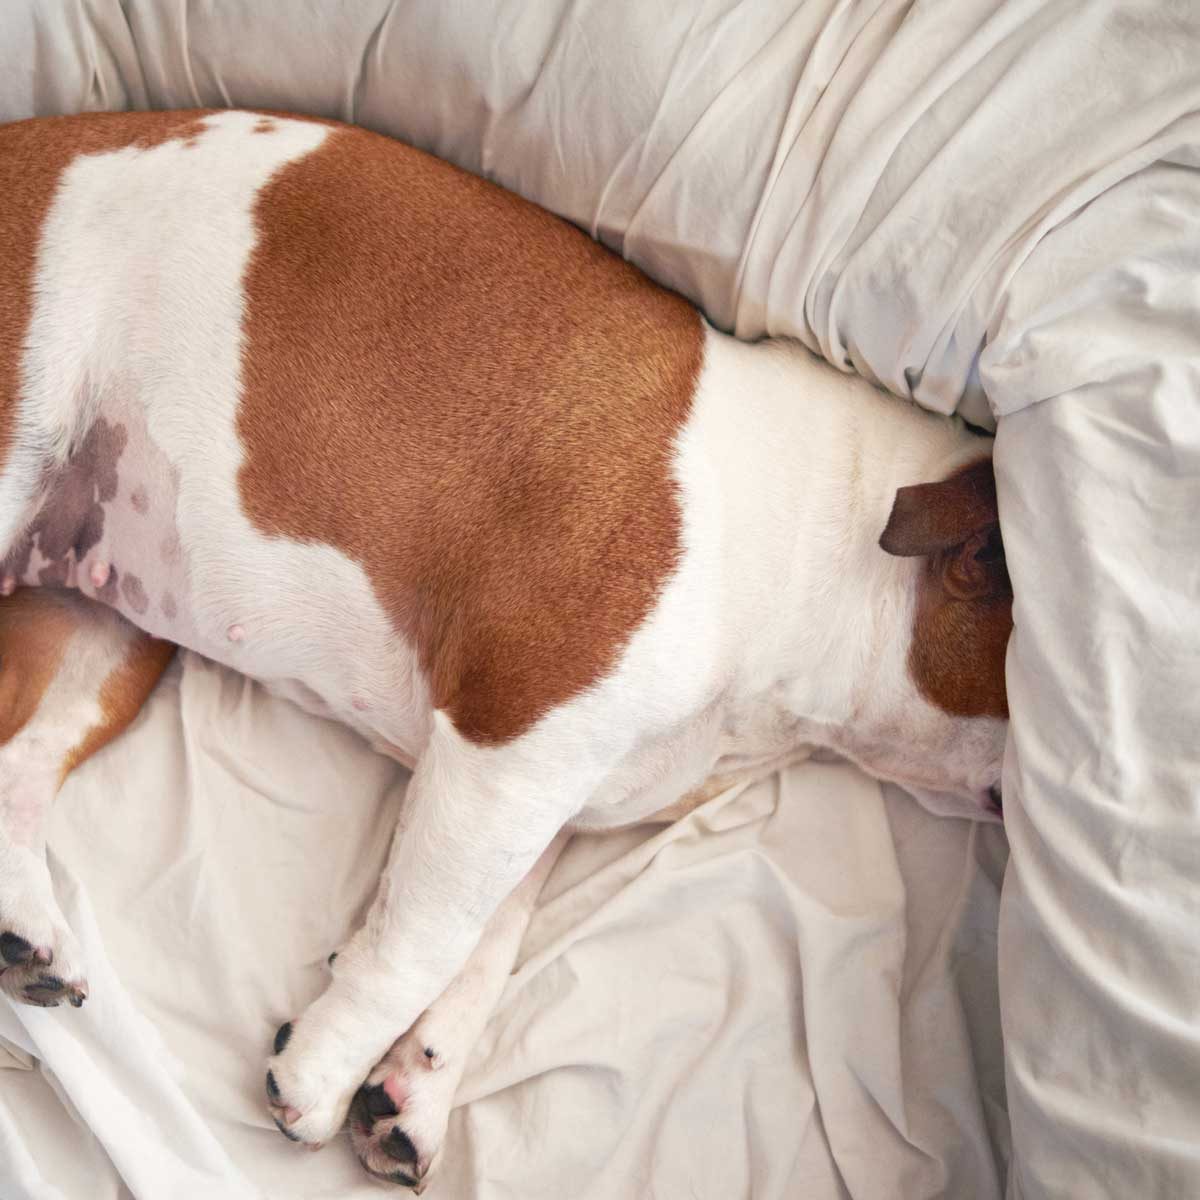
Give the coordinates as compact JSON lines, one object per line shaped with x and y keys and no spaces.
{"x":982,"y":204}
{"x":790,"y":993}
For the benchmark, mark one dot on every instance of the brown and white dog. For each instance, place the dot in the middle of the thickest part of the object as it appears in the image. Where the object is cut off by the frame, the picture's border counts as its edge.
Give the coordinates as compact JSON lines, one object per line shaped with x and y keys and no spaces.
{"x":427,"y":460}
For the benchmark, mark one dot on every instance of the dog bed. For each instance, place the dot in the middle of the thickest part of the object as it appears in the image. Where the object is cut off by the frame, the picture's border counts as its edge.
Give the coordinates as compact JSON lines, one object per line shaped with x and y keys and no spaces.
{"x":799,"y":990}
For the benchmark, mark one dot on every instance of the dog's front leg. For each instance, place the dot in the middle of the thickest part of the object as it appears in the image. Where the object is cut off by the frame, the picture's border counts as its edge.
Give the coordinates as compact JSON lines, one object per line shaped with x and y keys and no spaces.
{"x":72,"y":676}
{"x":474,"y":822}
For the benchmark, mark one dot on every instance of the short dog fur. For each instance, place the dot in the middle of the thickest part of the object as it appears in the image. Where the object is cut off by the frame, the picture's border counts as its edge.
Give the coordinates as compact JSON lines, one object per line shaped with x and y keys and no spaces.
{"x":429,"y":461}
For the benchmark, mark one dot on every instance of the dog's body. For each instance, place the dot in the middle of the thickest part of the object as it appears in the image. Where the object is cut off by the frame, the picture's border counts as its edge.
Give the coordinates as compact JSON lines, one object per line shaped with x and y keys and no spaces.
{"x":426,"y":460}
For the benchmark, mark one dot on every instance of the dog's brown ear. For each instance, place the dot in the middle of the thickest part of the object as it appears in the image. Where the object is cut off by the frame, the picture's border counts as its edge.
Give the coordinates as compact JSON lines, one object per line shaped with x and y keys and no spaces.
{"x":929,"y":518}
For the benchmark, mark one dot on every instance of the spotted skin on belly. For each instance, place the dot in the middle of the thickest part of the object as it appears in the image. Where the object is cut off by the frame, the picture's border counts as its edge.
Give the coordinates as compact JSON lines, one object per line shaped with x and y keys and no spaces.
{"x":69,"y":542}
{"x":71,"y":522}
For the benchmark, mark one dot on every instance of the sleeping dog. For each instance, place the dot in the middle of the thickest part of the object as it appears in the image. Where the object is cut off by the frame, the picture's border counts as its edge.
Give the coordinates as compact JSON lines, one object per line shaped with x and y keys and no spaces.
{"x":430,"y":462}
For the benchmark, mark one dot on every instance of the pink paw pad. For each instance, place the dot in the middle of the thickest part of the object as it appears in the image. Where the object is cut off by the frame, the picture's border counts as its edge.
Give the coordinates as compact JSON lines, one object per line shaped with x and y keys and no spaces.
{"x":397,"y":1093}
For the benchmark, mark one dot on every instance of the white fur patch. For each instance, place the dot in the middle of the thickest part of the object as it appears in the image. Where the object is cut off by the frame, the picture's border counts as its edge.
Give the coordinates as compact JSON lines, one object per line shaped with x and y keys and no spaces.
{"x":138,"y":316}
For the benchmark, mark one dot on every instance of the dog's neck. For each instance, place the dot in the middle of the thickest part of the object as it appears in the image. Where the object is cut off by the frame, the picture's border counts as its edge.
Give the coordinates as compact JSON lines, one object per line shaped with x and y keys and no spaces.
{"x":804,"y":466}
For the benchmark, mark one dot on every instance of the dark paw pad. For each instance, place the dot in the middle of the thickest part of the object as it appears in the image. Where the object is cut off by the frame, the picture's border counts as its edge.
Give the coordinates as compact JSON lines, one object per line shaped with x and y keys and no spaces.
{"x":287,"y":1133}
{"x":398,"y":1145}
{"x":376,"y":1103}
{"x":48,"y":991}
{"x":15,"y":950}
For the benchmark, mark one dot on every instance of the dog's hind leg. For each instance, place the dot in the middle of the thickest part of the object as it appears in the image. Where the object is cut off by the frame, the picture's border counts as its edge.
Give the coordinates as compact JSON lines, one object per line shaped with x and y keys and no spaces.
{"x":398,"y":1118}
{"x":475,"y":821}
{"x":72,"y":675}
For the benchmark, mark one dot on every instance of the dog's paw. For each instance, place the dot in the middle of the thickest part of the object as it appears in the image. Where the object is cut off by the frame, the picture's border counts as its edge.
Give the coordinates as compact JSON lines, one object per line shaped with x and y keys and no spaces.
{"x":398,"y":1117}
{"x":311,"y":1079}
{"x":40,"y":961}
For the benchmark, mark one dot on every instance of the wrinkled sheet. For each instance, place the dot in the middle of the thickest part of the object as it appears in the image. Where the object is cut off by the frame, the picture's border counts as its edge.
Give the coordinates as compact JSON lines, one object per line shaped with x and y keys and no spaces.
{"x":984,"y":205}
{"x":795,"y":986}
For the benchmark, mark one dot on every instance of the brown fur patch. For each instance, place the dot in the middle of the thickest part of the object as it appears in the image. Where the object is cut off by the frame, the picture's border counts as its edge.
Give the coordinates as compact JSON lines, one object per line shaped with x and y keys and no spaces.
{"x":33,"y":155}
{"x":475,"y":402}
{"x":35,"y":628}
{"x":122,"y":695}
{"x":959,"y":647}
{"x":964,"y":597}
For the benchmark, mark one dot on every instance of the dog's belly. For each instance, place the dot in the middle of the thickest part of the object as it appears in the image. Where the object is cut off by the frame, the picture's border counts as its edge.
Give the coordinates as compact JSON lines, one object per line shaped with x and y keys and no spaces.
{"x":107,"y":528}
{"x":156,"y":533}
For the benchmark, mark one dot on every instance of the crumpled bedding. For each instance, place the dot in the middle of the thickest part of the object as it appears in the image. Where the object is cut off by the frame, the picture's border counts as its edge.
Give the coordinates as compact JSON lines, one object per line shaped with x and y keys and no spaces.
{"x":791,"y":992}
{"x":987,"y":206}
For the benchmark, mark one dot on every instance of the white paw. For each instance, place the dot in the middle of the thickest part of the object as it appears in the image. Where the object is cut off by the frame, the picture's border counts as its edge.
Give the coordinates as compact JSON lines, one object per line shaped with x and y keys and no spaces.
{"x":321,"y":1058}
{"x":399,"y":1116}
{"x":308,"y":1097}
{"x":40,"y":960}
